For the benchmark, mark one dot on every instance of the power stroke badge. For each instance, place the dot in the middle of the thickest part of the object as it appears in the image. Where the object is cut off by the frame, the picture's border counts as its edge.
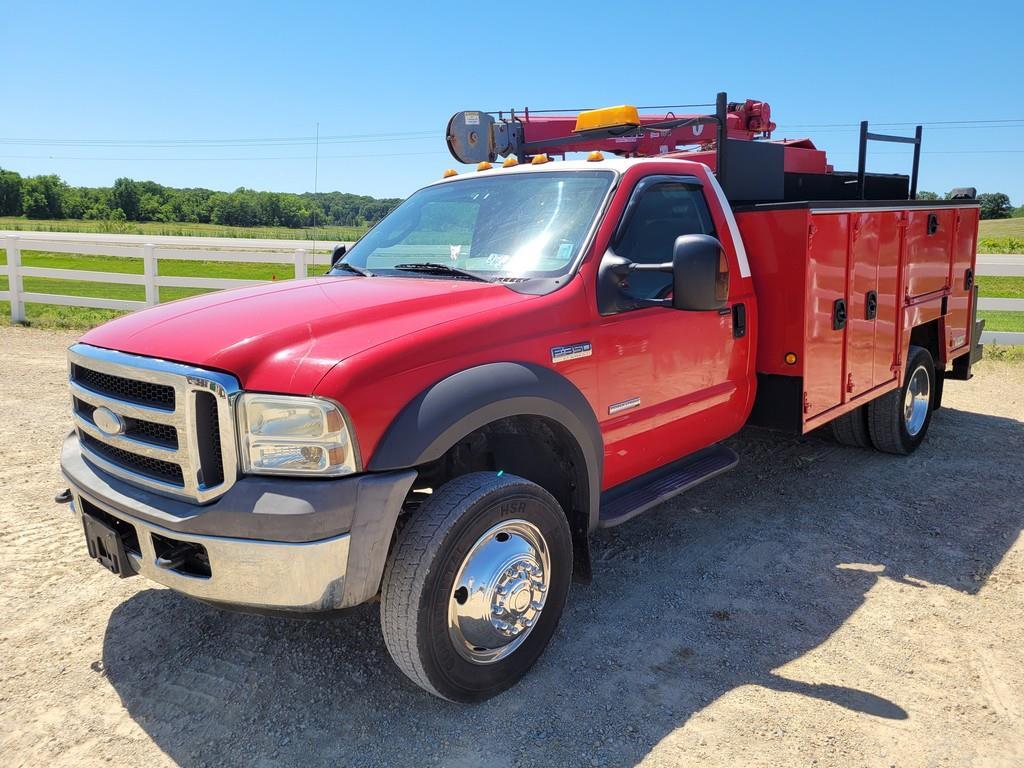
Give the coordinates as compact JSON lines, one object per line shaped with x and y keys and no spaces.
{"x":571,"y":352}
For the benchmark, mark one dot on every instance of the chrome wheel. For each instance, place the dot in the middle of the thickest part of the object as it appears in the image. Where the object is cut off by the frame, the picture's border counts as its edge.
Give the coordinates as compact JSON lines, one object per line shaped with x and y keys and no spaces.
{"x":499,"y":592}
{"x":917,"y":400}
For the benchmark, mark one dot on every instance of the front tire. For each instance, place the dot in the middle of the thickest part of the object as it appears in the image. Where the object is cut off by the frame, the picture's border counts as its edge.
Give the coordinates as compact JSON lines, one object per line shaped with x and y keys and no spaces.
{"x":898,"y":421}
{"x":475,"y":585}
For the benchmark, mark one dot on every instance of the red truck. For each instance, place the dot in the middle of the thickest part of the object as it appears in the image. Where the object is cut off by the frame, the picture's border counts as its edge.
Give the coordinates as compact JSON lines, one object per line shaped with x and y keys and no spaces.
{"x":510,"y":360}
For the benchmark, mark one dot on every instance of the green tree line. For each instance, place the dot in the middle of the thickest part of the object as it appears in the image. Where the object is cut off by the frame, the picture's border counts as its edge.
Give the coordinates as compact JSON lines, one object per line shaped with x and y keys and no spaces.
{"x":50,"y":197}
{"x":994,"y":205}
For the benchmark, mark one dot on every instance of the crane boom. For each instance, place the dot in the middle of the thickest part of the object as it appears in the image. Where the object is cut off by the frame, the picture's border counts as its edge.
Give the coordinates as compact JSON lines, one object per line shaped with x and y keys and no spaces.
{"x":475,"y":137}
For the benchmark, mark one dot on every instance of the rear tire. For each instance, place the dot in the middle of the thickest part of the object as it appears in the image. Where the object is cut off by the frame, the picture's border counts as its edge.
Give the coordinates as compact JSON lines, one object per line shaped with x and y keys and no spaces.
{"x":898,"y":421}
{"x":475,"y":585}
{"x":852,"y":428}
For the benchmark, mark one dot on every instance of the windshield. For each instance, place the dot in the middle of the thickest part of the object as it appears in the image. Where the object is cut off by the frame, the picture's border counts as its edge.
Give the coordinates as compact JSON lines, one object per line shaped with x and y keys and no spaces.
{"x":513,"y":226}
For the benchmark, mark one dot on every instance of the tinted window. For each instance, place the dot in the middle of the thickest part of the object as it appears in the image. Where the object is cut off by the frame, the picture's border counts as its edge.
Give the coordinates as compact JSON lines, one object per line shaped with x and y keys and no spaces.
{"x":661,"y":214}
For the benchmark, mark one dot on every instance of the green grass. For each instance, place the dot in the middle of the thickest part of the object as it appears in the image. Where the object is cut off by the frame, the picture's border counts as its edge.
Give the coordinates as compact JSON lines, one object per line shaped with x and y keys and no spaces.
{"x":54,"y":316}
{"x":1001,"y":245}
{"x":1001,"y":287}
{"x":1005,"y":288}
{"x":997,"y":320}
{"x":993,"y":233}
{"x":178,"y":229}
{"x":1003,"y":353}
{"x":1001,"y":236}
{"x":1001,"y":227}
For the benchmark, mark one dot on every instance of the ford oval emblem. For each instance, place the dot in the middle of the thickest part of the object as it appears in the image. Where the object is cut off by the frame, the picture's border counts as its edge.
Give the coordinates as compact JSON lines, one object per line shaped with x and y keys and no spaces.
{"x":109,"y":423}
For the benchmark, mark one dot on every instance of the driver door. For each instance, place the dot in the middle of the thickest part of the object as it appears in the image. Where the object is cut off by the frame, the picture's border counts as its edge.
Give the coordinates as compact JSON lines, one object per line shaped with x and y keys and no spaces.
{"x":662,"y":373}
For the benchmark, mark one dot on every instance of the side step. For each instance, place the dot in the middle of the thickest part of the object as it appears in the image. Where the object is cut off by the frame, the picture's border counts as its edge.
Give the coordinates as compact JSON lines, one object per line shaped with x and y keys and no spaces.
{"x":630,"y":499}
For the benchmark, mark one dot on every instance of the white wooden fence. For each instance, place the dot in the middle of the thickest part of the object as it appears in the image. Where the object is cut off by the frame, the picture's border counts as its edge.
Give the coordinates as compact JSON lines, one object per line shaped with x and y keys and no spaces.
{"x":250,"y":251}
{"x":151,"y":279}
{"x":999,"y":265}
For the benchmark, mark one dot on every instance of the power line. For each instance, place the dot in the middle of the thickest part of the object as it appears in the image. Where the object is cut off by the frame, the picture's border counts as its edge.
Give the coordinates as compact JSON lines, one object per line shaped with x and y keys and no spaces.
{"x":257,"y":158}
{"x":314,"y":141}
{"x":521,"y":111}
{"x":357,"y":138}
{"x":943,"y":152}
{"x":909,"y":124}
{"x":285,"y":141}
{"x":930,"y":132}
{"x":316,"y":178}
{"x":412,"y":154}
{"x":212,"y":159}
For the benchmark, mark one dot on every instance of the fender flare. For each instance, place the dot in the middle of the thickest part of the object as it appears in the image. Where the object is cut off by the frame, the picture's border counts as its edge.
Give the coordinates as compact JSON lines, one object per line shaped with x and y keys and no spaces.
{"x":458,"y":405}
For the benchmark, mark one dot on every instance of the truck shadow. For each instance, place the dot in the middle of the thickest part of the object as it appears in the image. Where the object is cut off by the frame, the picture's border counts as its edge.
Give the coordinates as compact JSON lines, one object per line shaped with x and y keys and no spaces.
{"x":714,"y":590}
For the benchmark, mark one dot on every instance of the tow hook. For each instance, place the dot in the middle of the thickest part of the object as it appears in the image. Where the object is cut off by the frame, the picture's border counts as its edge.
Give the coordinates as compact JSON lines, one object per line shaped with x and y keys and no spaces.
{"x":64,"y":497}
{"x":175,"y":557}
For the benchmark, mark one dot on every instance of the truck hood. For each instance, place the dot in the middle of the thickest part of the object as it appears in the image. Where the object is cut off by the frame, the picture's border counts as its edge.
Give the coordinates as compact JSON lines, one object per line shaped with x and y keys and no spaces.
{"x":285,"y":337}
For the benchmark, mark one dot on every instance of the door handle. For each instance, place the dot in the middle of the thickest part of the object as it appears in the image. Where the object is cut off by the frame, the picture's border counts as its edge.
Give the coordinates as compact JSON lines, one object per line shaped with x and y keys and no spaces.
{"x":968,"y":279}
{"x":838,"y":314}
{"x":870,"y":305}
{"x":739,"y":321}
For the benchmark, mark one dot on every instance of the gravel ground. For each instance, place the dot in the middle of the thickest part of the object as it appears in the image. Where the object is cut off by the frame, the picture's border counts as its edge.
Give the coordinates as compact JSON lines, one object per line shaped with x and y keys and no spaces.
{"x":819,"y":605}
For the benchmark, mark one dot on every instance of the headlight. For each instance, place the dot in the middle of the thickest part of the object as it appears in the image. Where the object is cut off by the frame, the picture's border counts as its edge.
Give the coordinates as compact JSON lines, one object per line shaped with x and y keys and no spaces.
{"x":285,"y":435}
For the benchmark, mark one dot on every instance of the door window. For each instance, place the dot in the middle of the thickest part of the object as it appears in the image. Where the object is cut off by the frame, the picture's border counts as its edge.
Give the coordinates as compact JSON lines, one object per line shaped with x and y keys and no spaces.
{"x":659,"y":215}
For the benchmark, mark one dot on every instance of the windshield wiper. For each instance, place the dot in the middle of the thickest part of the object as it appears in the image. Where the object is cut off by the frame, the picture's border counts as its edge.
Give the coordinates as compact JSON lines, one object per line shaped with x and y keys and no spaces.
{"x":441,"y":269}
{"x":353,"y":268}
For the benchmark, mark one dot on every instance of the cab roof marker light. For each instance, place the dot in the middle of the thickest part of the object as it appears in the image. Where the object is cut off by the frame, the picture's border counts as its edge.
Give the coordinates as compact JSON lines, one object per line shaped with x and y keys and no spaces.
{"x":510,"y":161}
{"x":449,"y":173}
{"x":623,"y":116}
{"x":595,"y":157}
{"x":540,"y":160}
{"x":484,"y":166}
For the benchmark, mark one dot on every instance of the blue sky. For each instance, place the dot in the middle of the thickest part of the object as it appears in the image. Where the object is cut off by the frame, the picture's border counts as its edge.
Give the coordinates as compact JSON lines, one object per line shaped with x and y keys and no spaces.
{"x":77,"y":74}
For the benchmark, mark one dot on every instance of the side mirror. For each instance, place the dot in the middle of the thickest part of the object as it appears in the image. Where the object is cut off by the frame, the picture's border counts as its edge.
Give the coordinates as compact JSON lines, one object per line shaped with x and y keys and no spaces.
{"x":700,"y":278}
{"x":338,"y":253}
{"x":700,"y":273}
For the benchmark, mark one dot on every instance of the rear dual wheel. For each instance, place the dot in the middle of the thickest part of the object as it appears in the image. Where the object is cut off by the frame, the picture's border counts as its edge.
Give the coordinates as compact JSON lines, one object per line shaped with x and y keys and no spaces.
{"x":475,"y":585}
{"x":852,"y":428}
{"x":898,"y":421}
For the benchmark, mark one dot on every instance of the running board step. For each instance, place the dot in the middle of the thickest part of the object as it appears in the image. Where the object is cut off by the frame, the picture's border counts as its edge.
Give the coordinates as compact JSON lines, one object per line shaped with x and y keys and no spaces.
{"x":625,"y":503}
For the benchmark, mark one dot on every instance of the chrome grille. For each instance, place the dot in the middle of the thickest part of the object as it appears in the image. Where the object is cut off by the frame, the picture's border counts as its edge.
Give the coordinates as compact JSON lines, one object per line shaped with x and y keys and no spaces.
{"x":128,"y":390}
{"x":155,"y":469}
{"x":146,"y":431}
{"x":178,"y":421}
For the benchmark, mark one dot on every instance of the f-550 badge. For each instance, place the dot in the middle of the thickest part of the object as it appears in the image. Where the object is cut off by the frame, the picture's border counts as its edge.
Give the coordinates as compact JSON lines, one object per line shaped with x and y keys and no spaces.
{"x":571,"y":352}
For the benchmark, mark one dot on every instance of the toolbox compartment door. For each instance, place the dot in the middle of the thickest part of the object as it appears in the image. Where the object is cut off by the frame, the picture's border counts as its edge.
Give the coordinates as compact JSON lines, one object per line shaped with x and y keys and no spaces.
{"x":885,"y":366}
{"x":824,"y":342}
{"x":871,"y":296}
{"x":862,"y":301}
{"x":929,"y":235}
{"x":961,"y":281}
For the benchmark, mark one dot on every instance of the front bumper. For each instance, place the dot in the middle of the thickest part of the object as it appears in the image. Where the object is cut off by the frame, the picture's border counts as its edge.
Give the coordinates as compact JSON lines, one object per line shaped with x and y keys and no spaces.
{"x":272,"y":543}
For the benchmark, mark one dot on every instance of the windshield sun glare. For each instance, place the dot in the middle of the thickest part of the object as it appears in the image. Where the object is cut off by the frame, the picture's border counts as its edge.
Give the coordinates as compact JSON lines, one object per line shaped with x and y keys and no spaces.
{"x":515,"y":226}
